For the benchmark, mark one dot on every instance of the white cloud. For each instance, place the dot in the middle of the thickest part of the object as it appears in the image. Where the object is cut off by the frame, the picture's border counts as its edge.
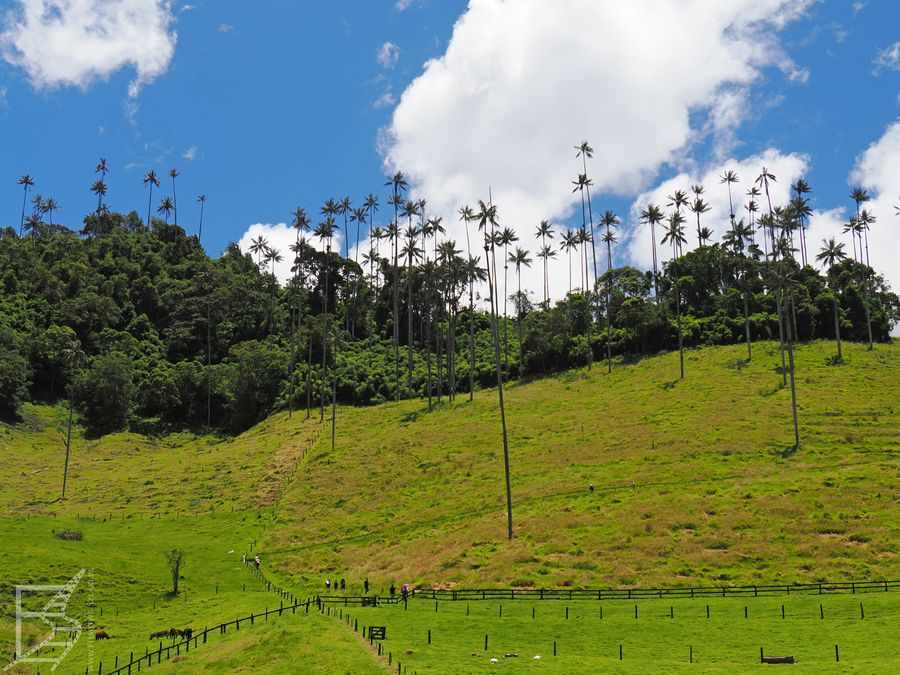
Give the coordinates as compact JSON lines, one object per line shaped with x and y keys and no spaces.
{"x":387,"y":98}
{"x":403,"y":5}
{"x":280,"y":236}
{"x":888,"y":58}
{"x":786,"y":169}
{"x":388,"y":54}
{"x":190,"y":154}
{"x":3,"y":91}
{"x":77,"y":42}
{"x":878,"y":170}
{"x":187,"y":8}
{"x":225,"y":28}
{"x":504,"y":107}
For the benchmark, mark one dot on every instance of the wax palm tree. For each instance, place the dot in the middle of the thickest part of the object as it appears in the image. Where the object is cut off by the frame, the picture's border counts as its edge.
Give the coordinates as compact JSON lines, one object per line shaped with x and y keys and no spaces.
{"x":545,"y":232}
{"x":398,"y":185}
{"x":51,"y":207}
{"x":325,"y":233}
{"x":582,"y":184}
{"x":583,"y":241}
{"x":201,"y":199}
{"x":520,"y":259}
{"x":831,"y":254}
{"x":763,"y":180}
{"x":413,"y":254}
{"x":729,"y":178}
{"x":569,"y":241}
{"x":99,"y":189}
{"x":102,"y":168}
{"x":487,"y":218}
{"x":467,"y":215}
{"x":27,"y":182}
{"x":345,"y":208}
{"x":151,"y":181}
{"x":74,"y":358}
{"x":357,"y":216}
{"x":653,"y":216}
{"x":782,"y":277}
{"x":866,"y":220}
{"x":507,"y":236}
{"x":802,"y":211}
{"x":33,"y":225}
{"x":586,"y":152}
{"x":258,"y":247}
{"x":752,"y":208}
{"x":610,"y":221}
{"x":738,"y":239}
{"x":674,"y":235}
{"x":166,"y":206}
{"x":698,"y":206}
{"x":173,"y":174}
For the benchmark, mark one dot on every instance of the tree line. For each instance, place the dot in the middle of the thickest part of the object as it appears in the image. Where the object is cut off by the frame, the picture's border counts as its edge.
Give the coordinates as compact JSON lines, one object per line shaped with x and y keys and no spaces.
{"x":131,"y":323}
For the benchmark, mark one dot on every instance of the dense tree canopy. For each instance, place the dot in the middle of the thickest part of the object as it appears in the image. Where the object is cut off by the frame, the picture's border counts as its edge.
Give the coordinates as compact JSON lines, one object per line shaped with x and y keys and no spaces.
{"x":174,"y":338}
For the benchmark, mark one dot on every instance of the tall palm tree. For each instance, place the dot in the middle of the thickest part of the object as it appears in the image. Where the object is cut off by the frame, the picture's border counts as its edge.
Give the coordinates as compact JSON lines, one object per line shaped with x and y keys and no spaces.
{"x":545,"y":232}
{"x":27,"y":182}
{"x":831,"y":254}
{"x":729,"y":178}
{"x":51,"y":206}
{"x":520,"y":259}
{"x":674,"y":235}
{"x":487,"y":218}
{"x":151,"y":181}
{"x":752,"y":208}
{"x":99,"y":189}
{"x":102,"y":168}
{"x":325,"y":233}
{"x":413,"y":254}
{"x":763,"y":180}
{"x":398,"y":185}
{"x":569,"y":241}
{"x":74,"y":358}
{"x":357,"y":216}
{"x":782,"y":278}
{"x":467,"y":215}
{"x":698,"y":206}
{"x":201,"y":199}
{"x":738,"y":239}
{"x":507,"y":236}
{"x":610,"y":221}
{"x":802,"y":211}
{"x":866,"y":220}
{"x":173,"y":174}
{"x":258,"y":247}
{"x":345,"y":208}
{"x":166,"y":206}
{"x":653,"y":216}
{"x":586,"y":152}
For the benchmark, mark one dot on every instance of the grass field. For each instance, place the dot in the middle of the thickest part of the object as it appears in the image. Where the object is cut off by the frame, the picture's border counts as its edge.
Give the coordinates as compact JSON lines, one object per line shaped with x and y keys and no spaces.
{"x":694,"y":485}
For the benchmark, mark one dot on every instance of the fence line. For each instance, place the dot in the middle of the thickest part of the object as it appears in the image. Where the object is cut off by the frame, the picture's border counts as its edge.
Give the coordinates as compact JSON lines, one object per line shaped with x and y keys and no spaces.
{"x":650,"y":593}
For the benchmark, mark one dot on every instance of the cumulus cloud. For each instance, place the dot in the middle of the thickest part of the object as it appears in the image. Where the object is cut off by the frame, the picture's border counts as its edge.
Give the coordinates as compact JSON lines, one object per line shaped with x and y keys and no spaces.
{"x":77,"y":42}
{"x":191,"y":153}
{"x":522,"y":82}
{"x":280,"y":236}
{"x":388,"y":54}
{"x":637,"y":245}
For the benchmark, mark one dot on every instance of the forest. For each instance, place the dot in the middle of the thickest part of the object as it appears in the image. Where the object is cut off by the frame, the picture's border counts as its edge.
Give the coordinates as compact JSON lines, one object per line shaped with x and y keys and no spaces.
{"x":133,"y":325}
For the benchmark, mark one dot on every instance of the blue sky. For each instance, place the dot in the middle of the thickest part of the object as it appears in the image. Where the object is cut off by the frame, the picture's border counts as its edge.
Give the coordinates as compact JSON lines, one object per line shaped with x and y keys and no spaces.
{"x":267,"y":106}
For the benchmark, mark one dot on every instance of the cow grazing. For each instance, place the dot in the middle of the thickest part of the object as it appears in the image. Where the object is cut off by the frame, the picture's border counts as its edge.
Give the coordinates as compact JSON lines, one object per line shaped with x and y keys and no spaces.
{"x":159,"y":634}
{"x":174,"y":632}
{"x":101,"y":635}
{"x":187,"y":633}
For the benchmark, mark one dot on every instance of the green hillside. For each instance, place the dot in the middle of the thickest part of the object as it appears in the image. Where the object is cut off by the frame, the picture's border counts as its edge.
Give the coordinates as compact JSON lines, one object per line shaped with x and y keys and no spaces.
{"x":695,"y":484}
{"x":695,"y":480}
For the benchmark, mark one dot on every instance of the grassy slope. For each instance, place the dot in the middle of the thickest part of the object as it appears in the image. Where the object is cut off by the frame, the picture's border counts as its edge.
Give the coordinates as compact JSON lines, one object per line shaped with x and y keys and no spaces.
{"x":416,"y":496}
{"x":410,"y":496}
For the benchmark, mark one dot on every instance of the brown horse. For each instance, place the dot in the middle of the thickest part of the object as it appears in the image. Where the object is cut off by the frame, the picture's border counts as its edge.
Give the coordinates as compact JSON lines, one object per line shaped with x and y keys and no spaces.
{"x":101,"y":635}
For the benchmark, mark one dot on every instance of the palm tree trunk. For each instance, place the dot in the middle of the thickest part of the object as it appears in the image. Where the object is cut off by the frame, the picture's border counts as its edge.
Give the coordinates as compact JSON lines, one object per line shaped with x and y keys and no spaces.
{"x":68,"y":447}
{"x":149,"y":205}
{"x":334,"y":394}
{"x":747,"y":325}
{"x":519,"y":325}
{"x":780,"y":313}
{"x":428,"y":354}
{"x":24,"y":200}
{"x":496,"y":341}
{"x":208,"y":362}
{"x":471,"y":340}
{"x":837,"y":329}
{"x":409,"y":327}
{"x":324,"y":342}
{"x":293,"y":363}
{"x":655,"y":272}
{"x":608,"y":308}
{"x":868,"y":315}
{"x":396,"y":313}
{"x":790,"y":349}
{"x":505,"y":315}
{"x":309,"y":377}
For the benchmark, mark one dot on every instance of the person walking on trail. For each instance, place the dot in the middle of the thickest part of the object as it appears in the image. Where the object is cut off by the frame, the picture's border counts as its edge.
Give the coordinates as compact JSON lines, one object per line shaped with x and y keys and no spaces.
{"x":393,"y":591}
{"x":328,"y":584}
{"x":256,"y":561}
{"x":342,"y":584}
{"x":366,"y":585}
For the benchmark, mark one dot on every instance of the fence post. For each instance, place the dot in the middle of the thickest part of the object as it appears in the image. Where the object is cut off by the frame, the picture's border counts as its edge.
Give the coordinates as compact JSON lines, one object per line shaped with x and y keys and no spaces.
{"x":429,"y":636}
{"x":554,"y":648}
{"x":485,"y":642}
{"x":837,"y":656}
{"x":862,"y":614}
{"x":691,"y":654}
{"x":620,"y":652}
